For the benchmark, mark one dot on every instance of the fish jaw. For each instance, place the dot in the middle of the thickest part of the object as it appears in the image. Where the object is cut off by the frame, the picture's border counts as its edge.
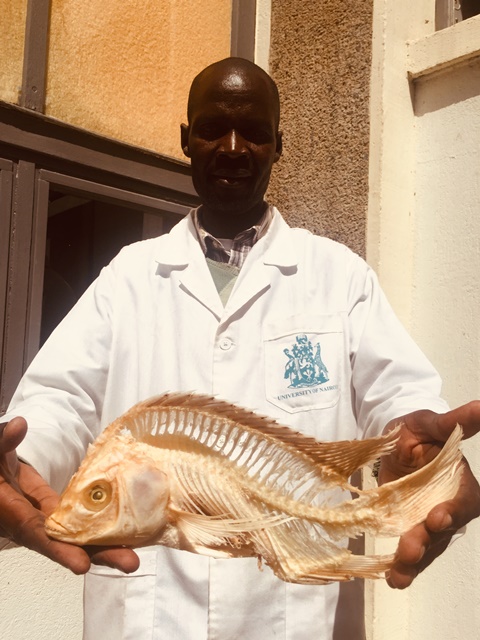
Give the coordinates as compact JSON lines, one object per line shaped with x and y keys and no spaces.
{"x":60,"y":532}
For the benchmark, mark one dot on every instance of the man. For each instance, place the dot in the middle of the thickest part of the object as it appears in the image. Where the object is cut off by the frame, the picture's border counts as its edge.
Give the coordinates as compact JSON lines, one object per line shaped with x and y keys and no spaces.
{"x":227,"y":304}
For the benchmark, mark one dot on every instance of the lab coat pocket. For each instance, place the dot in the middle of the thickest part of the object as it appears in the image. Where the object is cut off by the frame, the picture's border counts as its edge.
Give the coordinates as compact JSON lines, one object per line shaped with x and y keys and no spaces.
{"x":118,"y":606}
{"x":303,"y":362}
{"x":166,"y":598}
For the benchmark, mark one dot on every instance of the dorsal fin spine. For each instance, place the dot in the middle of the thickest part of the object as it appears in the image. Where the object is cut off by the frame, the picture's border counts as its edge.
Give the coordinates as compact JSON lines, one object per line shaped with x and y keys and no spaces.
{"x":201,"y":417}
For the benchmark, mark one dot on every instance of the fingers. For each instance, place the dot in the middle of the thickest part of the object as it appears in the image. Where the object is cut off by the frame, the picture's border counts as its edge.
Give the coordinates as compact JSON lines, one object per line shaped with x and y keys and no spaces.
{"x":410,"y":551}
{"x":32,"y":535}
{"x":24,"y":524}
{"x":25,"y":498}
{"x":430,"y":426}
{"x":36,"y":490}
{"x":416,"y":550}
{"x":78,"y":560}
{"x":422,"y":435}
{"x":419,"y":547}
{"x":27,"y":518}
{"x":468,"y":416}
{"x":464,"y":507}
{"x":11,"y":434}
{"x":412,"y":450}
{"x":124,"y":559}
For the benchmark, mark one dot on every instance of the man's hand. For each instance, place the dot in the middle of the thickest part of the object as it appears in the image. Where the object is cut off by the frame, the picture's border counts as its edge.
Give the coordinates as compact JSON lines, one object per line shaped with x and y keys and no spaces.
{"x":25,"y":501}
{"x":422,"y":436}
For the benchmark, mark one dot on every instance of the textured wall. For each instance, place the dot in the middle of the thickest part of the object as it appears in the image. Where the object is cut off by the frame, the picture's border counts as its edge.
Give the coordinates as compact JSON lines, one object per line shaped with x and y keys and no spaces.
{"x":12,"y":32}
{"x":320,"y":56}
{"x":40,"y":600}
{"x":123,"y":69}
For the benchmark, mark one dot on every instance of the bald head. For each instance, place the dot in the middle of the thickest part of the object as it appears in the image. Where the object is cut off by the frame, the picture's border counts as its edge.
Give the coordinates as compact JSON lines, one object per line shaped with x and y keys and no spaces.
{"x":232,"y":140}
{"x":232,"y":74}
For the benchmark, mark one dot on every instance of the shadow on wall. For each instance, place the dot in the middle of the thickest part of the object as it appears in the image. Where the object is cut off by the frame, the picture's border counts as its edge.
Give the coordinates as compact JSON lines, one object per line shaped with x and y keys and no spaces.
{"x":447,"y":87}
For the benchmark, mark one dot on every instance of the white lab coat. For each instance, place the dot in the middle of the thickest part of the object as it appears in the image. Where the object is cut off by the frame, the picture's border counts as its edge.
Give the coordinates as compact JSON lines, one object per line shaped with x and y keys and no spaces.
{"x":152,"y":322}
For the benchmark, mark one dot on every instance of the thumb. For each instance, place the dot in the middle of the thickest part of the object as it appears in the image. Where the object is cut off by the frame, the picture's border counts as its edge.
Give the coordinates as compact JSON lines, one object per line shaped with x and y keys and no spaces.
{"x":468,"y":416}
{"x":11,"y":434}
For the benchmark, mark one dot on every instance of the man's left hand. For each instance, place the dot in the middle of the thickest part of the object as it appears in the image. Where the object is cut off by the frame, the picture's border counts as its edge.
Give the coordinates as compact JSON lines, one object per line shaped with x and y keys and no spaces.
{"x":422,"y":435}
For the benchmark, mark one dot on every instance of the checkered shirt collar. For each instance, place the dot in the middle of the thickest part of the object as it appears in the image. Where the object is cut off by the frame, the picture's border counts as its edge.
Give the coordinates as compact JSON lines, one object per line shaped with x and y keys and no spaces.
{"x":242,"y":243}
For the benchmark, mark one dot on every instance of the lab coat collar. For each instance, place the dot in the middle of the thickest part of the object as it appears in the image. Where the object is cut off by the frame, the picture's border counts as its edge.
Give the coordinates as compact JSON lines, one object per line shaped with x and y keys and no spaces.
{"x":180,"y":247}
{"x":181,"y":258}
{"x":183,"y":247}
{"x":181,"y":252}
{"x":279,"y":250}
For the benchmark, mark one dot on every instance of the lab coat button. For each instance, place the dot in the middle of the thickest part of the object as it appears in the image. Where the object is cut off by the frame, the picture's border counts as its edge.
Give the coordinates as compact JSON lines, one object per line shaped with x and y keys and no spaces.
{"x":225,"y":344}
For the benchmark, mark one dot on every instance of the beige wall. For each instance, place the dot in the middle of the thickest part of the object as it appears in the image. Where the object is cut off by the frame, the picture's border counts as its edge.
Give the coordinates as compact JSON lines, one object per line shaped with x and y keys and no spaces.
{"x":321,"y":56}
{"x":40,"y":600}
{"x":120,"y":69}
{"x":12,"y":32}
{"x":123,"y":69}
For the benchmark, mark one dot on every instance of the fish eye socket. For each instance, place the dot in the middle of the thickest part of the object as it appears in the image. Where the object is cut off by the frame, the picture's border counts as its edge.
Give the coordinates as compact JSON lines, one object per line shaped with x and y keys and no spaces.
{"x":97,"y":496}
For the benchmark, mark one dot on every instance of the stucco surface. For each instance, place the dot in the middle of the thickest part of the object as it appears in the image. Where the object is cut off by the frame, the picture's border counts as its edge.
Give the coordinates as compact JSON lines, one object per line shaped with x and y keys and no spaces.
{"x":40,"y":600}
{"x":123,"y":69}
{"x":320,"y":57}
{"x":12,"y":35}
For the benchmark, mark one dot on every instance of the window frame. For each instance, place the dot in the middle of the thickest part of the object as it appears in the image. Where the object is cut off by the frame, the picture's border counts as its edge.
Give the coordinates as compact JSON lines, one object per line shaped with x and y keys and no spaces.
{"x":36,"y":154}
{"x":449,"y":12}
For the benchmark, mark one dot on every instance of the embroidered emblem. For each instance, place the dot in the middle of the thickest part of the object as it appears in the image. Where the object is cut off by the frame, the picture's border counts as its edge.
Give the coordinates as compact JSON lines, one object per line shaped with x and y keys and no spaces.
{"x":305,"y":367}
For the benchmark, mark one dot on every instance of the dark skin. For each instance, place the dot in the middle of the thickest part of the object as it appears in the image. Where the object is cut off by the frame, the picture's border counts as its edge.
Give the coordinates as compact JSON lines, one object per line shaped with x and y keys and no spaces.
{"x":422,"y":435}
{"x":233,"y":141}
{"x":26,"y":499}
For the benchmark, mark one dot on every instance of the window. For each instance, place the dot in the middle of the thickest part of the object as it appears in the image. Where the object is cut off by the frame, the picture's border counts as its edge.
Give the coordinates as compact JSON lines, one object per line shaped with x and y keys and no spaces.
{"x":450,"y":12}
{"x":69,"y":200}
{"x":85,"y":229}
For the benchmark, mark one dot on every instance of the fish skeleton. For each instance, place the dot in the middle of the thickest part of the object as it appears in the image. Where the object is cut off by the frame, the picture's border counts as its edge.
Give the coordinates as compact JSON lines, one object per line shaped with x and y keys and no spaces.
{"x":196,"y":473}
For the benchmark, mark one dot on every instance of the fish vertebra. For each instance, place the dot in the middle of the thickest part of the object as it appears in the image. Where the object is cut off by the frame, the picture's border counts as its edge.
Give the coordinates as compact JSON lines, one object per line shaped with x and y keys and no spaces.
{"x":199,"y":474}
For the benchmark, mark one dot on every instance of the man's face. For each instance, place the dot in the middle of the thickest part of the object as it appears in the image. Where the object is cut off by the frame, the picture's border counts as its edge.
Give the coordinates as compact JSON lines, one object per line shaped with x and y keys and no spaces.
{"x":232,"y":140}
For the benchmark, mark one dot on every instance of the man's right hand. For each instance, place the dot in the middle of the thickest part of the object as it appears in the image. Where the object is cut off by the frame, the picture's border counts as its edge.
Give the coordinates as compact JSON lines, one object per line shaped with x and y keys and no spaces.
{"x":26,"y":499}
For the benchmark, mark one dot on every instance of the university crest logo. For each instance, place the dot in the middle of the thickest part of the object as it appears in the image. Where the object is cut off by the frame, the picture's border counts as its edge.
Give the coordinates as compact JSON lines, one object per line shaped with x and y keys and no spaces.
{"x":305,"y":367}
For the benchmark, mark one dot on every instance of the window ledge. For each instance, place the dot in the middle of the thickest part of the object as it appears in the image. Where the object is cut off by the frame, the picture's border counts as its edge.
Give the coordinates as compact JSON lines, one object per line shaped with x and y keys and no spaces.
{"x":444,"y":49}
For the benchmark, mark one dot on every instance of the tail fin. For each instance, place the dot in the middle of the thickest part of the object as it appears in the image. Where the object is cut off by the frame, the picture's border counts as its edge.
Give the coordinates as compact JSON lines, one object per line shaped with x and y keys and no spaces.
{"x":397,"y":506}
